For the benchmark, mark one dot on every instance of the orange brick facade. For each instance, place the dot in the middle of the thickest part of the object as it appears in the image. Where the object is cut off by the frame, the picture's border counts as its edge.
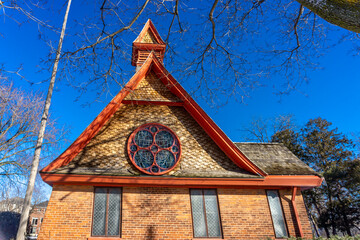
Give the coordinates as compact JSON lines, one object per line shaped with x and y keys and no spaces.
{"x":165,"y":213}
{"x":68,"y":214}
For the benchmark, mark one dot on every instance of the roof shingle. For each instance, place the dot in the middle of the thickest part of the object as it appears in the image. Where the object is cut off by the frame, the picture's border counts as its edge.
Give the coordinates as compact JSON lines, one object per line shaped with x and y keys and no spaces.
{"x":275,"y":159}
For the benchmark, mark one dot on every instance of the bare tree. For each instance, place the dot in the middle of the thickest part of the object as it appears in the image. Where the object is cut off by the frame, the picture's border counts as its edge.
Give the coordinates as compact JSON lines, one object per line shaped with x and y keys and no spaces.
{"x":224,"y":49}
{"x":41,"y":134}
{"x":263,"y":130}
{"x":19,"y":113}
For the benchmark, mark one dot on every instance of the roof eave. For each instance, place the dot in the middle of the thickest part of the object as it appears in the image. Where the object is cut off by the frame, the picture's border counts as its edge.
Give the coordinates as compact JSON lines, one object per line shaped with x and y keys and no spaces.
{"x":268,"y":182}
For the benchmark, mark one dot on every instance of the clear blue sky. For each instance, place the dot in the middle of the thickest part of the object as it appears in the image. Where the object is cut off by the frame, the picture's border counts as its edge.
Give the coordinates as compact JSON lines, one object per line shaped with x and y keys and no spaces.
{"x":332,"y":92}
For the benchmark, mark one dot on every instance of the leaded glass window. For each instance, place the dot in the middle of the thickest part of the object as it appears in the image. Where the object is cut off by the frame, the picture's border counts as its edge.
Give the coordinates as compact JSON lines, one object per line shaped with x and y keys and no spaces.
{"x":205,"y":213}
{"x":107,"y":212}
{"x":154,"y":149}
{"x":277,"y":214}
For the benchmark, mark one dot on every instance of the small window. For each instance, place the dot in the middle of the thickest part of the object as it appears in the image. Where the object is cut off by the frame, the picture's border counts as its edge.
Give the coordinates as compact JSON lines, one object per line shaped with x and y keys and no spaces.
{"x":277,"y":214}
{"x":41,"y":220}
{"x":205,"y":213}
{"x":107,"y":212}
{"x":34,"y":221}
{"x":33,"y":230}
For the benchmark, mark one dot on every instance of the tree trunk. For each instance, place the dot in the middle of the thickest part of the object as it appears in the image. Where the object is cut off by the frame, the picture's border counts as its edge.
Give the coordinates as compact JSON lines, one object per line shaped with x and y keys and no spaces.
{"x":314,"y":202}
{"x":327,"y":231}
{"x":331,"y":211}
{"x":35,"y":163}
{"x":346,"y":220}
{"x":343,"y":13}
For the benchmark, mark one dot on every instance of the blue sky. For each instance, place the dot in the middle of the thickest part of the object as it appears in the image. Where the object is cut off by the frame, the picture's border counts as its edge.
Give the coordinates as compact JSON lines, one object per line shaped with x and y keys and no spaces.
{"x":331,"y":93}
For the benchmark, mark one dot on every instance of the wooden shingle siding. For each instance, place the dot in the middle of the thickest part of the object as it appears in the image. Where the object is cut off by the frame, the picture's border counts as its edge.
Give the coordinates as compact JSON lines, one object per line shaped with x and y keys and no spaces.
{"x":148,"y":38}
{"x":152,"y":89}
{"x":275,"y":159}
{"x":200,"y":155}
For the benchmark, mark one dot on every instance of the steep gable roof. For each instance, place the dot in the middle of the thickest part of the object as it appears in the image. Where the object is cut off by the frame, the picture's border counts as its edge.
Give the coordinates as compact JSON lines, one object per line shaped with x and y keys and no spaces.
{"x":149,"y":34}
{"x":147,"y":41}
{"x":153,"y":64}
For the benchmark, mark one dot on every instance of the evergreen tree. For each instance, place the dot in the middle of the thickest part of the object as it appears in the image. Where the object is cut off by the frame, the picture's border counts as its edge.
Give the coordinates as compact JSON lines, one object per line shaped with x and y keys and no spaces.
{"x":334,"y":205}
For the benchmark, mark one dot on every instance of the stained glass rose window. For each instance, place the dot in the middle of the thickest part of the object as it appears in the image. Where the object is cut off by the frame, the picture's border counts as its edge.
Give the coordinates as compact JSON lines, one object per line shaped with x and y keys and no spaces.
{"x":154,"y":149}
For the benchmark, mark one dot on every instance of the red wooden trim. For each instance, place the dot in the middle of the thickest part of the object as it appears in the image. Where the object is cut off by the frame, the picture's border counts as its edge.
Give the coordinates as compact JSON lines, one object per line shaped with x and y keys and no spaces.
{"x":206,"y":122}
{"x":138,"y":46}
{"x":99,"y":121}
{"x":149,"y":46}
{"x":149,"y":25}
{"x":273,"y":182}
{"x":141,"y":46}
{"x":141,"y":102}
{"x":294,"y":190}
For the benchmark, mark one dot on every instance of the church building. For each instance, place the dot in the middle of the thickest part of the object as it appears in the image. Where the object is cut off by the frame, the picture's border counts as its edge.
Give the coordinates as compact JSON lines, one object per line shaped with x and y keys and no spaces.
{"x":153,"y":165}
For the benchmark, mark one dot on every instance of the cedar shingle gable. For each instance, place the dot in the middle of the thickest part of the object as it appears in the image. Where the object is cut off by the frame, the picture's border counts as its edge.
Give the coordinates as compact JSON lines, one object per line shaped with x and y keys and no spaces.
{"x":106,"y":152}
{"x":152,"y":89}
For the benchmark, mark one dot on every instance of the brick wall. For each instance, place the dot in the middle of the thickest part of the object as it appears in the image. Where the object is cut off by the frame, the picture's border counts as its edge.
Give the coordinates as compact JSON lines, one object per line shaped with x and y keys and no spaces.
{"x":286,"y":196}
{"x":68,"y":214}
{"x":165,"y":213}
{"x":245,"y":214}
{"x":156,"y":213}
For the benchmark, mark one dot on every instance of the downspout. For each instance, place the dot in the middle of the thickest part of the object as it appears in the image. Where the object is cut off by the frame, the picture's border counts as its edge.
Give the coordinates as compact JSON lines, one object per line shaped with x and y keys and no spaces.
{"x":294,"y":190}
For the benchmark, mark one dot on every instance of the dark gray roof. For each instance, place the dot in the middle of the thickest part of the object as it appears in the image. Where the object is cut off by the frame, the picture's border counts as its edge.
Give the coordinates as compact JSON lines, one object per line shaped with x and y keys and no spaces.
{"x":42,"y":204}
{"x":275,"y":159}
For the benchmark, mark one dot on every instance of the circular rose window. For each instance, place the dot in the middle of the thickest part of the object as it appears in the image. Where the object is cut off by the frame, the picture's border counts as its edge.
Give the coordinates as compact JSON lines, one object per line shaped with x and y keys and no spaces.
{"x":154,"y":149}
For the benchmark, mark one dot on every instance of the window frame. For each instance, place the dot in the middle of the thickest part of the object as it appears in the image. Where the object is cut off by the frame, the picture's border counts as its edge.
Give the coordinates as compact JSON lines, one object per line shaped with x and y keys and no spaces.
{"x":32,"y":230}
{"x":282,"y":212}
{"x":36,"y":221}
{"x":218,"y":209}
{"x":107,"y":213}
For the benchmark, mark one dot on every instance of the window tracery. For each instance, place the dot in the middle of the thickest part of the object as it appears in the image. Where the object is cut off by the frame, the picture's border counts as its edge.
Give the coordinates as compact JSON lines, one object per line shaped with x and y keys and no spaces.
{"x":154,"y":149}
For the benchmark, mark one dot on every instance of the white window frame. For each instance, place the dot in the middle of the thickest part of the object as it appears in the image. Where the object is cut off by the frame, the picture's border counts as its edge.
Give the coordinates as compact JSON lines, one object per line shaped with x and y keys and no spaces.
{"x":34,"y":220}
